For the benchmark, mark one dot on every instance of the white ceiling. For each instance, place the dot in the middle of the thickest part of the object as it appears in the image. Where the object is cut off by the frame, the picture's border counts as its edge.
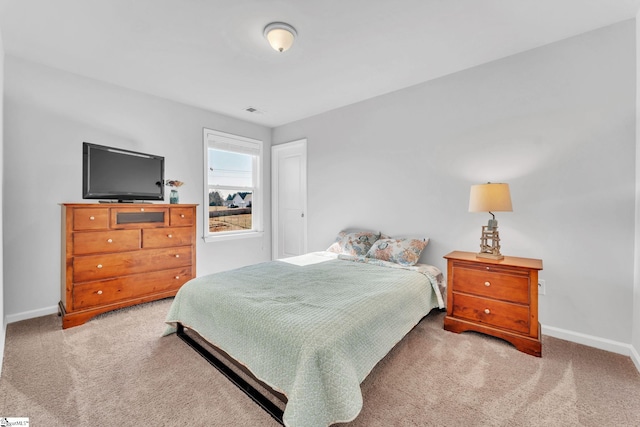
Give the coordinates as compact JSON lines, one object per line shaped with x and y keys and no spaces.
{"x":212,"y":54}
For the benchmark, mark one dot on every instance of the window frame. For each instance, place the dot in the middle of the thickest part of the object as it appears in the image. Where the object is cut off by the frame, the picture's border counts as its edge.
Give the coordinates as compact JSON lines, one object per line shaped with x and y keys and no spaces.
{"x":217,"y":139}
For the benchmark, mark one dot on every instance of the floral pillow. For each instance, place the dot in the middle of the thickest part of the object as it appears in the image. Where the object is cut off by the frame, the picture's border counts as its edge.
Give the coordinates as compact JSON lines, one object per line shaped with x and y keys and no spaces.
{"x":355,"y":243}
{"x":401,"y":251}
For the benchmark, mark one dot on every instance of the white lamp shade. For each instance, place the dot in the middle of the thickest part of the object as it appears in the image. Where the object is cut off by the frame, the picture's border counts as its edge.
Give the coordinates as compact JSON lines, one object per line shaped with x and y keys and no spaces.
{"x":280,"y":35}
{"x":490,"y":197}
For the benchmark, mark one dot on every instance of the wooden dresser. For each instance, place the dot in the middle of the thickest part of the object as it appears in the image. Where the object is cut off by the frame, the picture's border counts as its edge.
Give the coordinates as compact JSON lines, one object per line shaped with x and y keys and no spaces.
{"x":117,"y":255}
{"x":495,"y":297}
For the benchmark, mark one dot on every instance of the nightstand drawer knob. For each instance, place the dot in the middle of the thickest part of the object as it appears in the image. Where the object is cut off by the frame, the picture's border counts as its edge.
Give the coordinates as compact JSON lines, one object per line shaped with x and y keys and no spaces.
{"x":169,"y":236}
{"x":99,"y":265}
{"x":177,"y":255}
{"x":487,"y":283}
{"x":91,"y":218}
{"x":109,"y":240}
{"x":177,"y":277}
{"x":181,"y":215}
{"x":487,"y":311}
{"x":99,"y":292}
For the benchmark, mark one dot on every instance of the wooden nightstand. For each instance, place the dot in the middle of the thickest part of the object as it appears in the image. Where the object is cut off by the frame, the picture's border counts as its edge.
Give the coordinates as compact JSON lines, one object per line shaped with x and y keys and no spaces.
{"x":495,"y":297}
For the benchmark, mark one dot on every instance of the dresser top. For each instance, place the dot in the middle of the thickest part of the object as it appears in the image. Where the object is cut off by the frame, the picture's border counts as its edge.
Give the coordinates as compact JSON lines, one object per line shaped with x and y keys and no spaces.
{"x":532,"y":263}
{"x":128,"y":205}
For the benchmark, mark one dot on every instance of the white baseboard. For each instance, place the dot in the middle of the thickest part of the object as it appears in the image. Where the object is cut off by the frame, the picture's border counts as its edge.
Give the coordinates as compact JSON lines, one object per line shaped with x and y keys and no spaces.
{"x":588,"y":340}
{"x":2,"y":341}
{"x":635,"y":358}
{"x":11,"y":318}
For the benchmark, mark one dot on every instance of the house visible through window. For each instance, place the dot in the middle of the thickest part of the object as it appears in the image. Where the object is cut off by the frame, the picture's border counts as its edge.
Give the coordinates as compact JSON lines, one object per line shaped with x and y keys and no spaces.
{"x":233,"y":196}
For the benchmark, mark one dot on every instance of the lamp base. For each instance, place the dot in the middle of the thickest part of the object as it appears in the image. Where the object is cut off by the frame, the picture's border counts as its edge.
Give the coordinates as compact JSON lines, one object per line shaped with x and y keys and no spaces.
{"x":490,"y":256}
{"x":489,"y":243}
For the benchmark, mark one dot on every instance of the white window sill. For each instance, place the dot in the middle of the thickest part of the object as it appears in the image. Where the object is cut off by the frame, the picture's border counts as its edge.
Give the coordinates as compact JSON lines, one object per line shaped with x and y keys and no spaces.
{"x":232,"y":236}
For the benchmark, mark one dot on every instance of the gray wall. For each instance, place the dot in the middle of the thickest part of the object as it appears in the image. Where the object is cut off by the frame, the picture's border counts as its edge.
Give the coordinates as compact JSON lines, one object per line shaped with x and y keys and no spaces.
{"x":636,"y":299}
{"x":2,"y":317}
{"x":557,"y":123}
{"x":48,"y":114}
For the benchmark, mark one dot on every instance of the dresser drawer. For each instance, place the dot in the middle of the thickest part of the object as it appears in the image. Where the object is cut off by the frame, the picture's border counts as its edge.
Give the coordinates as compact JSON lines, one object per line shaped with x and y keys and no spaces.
{"x":138,"y":217}
{"x":105,"y":241}
{"x":90,"y":219}
{"x":166,"y":237}
{"x":95,"y":267}
{"x":514,"y":317}
{"x":181,"y":216}
{"x":110,"y":291}
{"x":494,"y":282}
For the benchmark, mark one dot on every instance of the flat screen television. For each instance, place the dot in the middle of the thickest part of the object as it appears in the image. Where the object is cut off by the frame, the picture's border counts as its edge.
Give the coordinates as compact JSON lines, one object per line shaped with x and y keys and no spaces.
{"x":115,"y":174}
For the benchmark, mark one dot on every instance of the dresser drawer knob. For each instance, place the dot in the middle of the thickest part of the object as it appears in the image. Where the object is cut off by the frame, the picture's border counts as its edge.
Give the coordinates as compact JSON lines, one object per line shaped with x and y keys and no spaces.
{"x":109,"y":240}
{"x":177,"y":277}
{"x":169,"y":236}
{"x":99,"y":292}
{"x":181,"y":215}
{"x":487,"y":311}
{"x":488,"y":268}
{"x":99,"y":266}
{"x":177,"y":255}
{"x":91,"y":218}
{"x":141,"y":209}
{"x":487,"y":283}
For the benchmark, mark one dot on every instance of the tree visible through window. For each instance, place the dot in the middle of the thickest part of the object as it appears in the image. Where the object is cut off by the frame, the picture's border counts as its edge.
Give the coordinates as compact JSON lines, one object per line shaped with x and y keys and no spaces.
{"x":232,"y":184}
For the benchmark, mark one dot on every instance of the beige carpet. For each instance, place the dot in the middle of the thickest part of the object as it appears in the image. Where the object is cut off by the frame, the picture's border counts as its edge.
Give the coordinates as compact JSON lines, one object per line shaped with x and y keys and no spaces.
{"x":118,"y":370}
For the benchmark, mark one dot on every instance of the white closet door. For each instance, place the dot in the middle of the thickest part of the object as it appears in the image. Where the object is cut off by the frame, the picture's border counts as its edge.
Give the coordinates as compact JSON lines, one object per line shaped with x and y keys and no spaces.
{"x":289,"y":189}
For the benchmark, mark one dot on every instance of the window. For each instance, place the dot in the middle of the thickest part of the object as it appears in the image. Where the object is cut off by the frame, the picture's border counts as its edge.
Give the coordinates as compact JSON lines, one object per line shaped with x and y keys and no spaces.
{"x":233,"y":195}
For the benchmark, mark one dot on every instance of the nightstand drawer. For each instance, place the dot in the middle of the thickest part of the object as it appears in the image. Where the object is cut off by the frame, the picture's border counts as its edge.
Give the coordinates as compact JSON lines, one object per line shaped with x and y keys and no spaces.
{"x":504,"y":284}
{"x":514,"y":317}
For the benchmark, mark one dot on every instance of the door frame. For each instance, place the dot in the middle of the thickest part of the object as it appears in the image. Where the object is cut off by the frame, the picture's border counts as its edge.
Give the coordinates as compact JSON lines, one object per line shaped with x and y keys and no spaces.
{"x":301,"y":145}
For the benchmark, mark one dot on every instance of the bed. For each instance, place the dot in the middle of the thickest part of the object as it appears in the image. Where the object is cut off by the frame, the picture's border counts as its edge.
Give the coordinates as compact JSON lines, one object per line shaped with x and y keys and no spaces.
{"x":308,"y":329}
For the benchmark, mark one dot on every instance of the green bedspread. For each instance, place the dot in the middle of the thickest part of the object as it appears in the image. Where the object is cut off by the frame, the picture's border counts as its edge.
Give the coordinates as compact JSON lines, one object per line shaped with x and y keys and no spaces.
{"x":311,"y":327}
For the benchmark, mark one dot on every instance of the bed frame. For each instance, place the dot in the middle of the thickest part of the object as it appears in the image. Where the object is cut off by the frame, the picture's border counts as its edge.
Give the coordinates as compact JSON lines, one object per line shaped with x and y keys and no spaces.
{"x":272,"y":401}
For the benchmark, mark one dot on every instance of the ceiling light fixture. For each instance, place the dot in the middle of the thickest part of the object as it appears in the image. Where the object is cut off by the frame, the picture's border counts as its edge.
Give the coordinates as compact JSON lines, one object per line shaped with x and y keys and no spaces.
{"x":280,"y":35}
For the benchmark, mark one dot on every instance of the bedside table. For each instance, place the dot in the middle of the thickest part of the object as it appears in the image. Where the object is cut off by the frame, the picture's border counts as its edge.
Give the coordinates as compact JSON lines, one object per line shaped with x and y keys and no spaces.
{"x":495,"y":297}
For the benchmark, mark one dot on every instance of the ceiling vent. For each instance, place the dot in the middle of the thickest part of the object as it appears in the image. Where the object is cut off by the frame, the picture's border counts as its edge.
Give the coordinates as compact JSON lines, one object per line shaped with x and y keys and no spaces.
{"x":253,"y":110}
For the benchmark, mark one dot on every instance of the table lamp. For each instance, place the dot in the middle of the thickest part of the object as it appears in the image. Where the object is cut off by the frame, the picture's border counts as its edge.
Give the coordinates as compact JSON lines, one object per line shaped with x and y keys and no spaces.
{"x":490,"y":197}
